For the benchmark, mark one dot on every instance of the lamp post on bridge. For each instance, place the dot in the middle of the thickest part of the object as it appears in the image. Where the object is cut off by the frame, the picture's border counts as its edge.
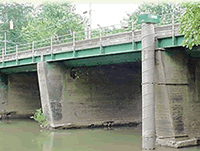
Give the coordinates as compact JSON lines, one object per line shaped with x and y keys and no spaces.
{"x":88,"y":23}
{"x":5,"y":40}
{"x":148,"y":71}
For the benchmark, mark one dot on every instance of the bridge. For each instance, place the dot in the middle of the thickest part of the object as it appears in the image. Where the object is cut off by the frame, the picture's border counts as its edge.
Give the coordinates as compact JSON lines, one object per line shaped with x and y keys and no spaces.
{"x":101,"y":50}
{"x":88,"y":82}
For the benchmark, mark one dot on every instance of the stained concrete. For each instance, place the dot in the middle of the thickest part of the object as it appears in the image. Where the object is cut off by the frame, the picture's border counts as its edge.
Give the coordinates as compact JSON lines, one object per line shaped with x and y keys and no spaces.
{"x":89,"y":96}
{"x":177,"y":99}
{"x":193,"y":106}
{"x":171,"y":91}
{"x":22,"y":94}
{"x":92,"y":94}
{"x":3,"y":92}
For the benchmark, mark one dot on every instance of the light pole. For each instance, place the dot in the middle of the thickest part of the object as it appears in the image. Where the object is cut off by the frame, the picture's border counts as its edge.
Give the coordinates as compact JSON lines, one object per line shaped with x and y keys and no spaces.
{"x":88,"y":23}
{"x":85,"y":24}
{"x":10,"y":27}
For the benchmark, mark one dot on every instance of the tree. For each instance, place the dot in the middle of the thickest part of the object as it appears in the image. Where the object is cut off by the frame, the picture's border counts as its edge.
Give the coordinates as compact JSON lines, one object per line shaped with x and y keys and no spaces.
{"x":190,"y":24}
{"x":17,"y":12}
{"x":53,"y":19}
{"x":164,"y":10}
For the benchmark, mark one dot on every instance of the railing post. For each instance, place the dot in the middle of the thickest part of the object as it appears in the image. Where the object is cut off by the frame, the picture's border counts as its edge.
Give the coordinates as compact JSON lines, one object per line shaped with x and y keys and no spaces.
{"x":51,"y":43}
{"x":100,"y":38}
{"x":51,"y":48}
{"x":3,"y":56}
{"x":133,"y":36}
{"x":32,"y":45}
{"x":5,"y":42}
{"x":16,"y":49}
{"x":74,"y":40}
{"x":16,"y":54}
{"x":33,"y":51}
{"x":90,"y":33}
{"x":173,"y":32}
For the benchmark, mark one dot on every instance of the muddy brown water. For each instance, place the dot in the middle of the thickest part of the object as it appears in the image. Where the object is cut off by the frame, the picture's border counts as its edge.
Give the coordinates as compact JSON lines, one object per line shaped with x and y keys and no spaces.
{"x":25,"y":135}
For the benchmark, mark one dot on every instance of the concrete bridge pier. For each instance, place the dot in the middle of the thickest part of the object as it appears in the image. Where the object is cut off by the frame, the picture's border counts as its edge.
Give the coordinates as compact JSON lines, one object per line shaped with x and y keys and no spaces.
{"x":51,"y":79}
{"x":177,"y":98}
{"x":170,"y":94}
{"x":171,"y":98}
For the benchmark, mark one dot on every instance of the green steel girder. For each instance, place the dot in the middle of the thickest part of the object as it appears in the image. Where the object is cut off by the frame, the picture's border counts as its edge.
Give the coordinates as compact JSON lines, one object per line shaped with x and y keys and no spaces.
{"x":170,"y":42}
{"x":113,"y":54}
{"x":17,"y":69}
{"x":110,"y":54}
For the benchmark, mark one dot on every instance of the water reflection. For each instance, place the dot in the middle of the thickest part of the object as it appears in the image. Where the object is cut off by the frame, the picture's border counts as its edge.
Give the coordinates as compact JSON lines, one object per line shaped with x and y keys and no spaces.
{"x":117,"y":139}
{"x":26,"y":135}
{"x":90,"y":140}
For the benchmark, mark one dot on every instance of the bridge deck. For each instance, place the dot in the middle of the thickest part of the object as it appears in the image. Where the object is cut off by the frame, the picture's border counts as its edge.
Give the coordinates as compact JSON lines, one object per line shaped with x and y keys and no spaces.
{"x":127,"y":44}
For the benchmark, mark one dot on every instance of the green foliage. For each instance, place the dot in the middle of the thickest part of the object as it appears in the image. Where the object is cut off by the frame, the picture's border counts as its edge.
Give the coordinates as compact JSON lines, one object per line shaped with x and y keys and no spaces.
{"x":164,"y":10}
{"x":37,"y":22}
{"x":40,"y":117}
{"x":52,"y":19}
{"x":190,"y":24}
{"x":17,"y":12}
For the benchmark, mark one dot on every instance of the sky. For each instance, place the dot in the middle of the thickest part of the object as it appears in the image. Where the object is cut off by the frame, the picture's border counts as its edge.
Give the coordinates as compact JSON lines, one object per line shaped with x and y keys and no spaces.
{"x":105,"y":12}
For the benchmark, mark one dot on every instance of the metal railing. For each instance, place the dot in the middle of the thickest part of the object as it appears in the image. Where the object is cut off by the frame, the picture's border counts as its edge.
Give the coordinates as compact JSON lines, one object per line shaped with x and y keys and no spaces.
{"x":63,"y":39}
{"x":77,"y":36}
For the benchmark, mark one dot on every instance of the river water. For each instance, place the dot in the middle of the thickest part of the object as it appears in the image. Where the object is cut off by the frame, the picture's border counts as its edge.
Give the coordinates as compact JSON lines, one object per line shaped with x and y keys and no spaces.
{"x":25,"y":135}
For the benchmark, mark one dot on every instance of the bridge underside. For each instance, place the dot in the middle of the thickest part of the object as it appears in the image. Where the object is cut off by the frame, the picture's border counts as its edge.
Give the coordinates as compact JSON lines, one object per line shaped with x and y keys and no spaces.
{"x":82,"y":62}
{"x":80,"y":95}
{"x":101,"y":87}
{"x":19,"y":94}
{"x":90,"y":95}
{"x":108,"y":88}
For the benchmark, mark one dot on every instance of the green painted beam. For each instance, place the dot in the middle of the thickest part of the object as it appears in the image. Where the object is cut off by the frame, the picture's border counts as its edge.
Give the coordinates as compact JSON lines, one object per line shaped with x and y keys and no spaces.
{"x":17,"y":69}
{"x":113,"y":54}
{"x":95,"y":52}
{"x":110,"y":54}
{"x":168,"y":43}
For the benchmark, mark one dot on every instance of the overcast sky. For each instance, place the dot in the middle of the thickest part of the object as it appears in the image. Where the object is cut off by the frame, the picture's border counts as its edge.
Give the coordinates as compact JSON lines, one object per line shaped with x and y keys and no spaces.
{"x":107,"y":14}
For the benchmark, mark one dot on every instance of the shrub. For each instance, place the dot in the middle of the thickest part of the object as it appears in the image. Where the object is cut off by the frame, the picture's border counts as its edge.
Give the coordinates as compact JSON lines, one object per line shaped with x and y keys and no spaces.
{"x":40,"y":117}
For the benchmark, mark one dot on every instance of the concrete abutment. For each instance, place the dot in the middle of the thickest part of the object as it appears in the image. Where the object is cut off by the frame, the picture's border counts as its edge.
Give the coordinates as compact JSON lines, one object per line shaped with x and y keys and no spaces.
{"x":176,"y":99}
{"x":19,"y":95}
{"x":90,"y":95}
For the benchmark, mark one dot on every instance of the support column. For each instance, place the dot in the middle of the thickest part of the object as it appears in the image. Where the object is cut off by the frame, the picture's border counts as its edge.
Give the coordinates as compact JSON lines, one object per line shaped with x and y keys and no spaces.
{"x":3,"y":92}
{"x":50,"y":77}
{"x":148,"y":103}
{"x":148,"y":69}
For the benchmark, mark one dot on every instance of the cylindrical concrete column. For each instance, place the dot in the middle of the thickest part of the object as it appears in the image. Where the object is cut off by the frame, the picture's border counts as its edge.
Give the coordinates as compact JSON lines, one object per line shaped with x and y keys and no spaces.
{"x":148,"y":103}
